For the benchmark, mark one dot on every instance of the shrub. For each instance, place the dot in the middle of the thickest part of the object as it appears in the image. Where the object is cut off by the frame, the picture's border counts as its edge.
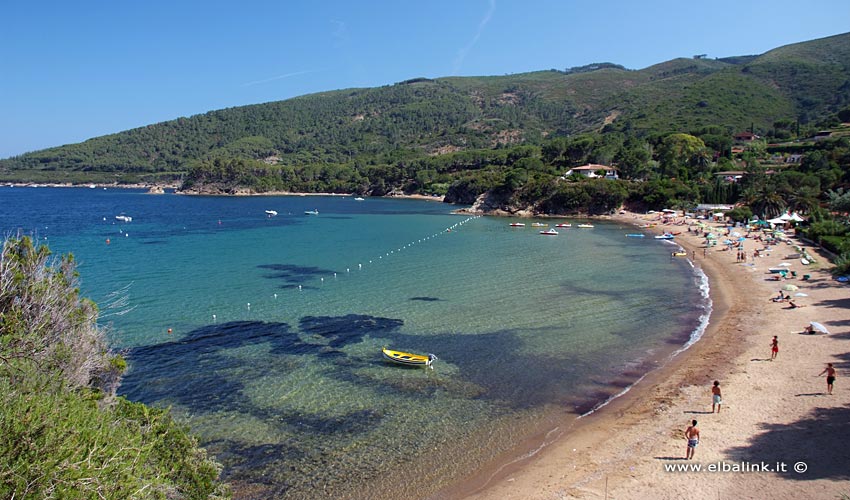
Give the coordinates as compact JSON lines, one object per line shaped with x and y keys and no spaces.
{"x":59,"y":436}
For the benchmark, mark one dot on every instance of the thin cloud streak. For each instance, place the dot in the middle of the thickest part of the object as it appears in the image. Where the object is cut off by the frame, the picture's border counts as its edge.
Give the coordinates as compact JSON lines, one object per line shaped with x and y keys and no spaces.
{"x":279,"y":77}
{"x":461,"y":54}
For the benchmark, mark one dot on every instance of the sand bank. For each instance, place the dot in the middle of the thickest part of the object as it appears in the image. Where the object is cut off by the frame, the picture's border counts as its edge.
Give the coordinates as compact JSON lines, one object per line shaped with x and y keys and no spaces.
{"x":775,"y":413}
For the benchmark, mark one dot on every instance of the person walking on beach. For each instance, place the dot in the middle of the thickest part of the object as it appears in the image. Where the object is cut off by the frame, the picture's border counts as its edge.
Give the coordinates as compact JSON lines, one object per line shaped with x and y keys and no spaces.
{"x":715,"y":397}
{"x":830,"y":377}
{"x":774,"y":348}
{"x":692,"y":435}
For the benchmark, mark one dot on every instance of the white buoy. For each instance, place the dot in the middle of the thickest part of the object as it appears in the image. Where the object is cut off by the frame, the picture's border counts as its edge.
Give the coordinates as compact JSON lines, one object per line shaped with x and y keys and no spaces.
{"x":323,"y":279}
{"x":213,"y":317}
{"x":347,"y":270}
{"x":275,"y":295}
{"x":249,"y":306}
{"x":299,"y":287}
{"x":360,"y":266}
{"x":334,"y":275}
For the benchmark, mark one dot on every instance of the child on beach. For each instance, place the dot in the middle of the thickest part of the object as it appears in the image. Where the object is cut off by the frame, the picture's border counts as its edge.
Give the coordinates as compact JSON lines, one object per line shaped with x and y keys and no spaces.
{"x":830,"y":377}
{"x":774,"y":348}
{"x":692,"y":435}
{"x":715,"y":397}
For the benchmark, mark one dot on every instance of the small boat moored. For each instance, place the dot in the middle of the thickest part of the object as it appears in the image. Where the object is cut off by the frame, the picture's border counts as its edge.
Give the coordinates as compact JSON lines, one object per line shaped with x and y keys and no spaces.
{"x":665,"y":236}
{"x":271,"y":213}
{"x":407,"y":358}
{"x":124,"y":218}
{"x":635,"y":235}
{"x":549,"y":232}
{"x":679,"y":254}
{"x":539,"y":224}
{"x":585,"y":225}
{"x":564,"y":224}
{"x":311,"y":212}
{"x":517,"y":224}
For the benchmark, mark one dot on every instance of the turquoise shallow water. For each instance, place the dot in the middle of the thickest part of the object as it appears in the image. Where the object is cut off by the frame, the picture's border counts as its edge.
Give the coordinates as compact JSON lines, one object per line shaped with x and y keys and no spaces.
{"x":277,"y":323}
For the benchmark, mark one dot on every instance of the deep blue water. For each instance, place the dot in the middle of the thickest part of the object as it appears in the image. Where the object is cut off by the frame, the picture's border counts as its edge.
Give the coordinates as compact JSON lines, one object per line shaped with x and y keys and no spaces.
{"x":276,"y":324}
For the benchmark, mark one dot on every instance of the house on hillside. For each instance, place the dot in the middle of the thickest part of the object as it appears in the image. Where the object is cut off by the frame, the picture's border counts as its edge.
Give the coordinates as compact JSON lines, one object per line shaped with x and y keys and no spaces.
{"x":730,"y":175}
{"x":592,"y":171}
{"x":745,"y":137}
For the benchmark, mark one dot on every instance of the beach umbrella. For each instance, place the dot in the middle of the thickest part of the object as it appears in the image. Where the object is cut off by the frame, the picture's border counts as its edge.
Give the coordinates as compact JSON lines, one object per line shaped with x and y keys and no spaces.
{"x":818,"y":327}
{"x":790,"y":288}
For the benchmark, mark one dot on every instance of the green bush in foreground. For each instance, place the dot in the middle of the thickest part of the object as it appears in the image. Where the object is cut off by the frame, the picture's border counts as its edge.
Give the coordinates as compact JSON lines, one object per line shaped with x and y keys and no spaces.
{"x":63,"y":434}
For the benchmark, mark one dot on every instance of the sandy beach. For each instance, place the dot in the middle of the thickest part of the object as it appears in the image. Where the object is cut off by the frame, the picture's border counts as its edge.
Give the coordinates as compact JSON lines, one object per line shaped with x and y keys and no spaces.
{"x":778,"y":434}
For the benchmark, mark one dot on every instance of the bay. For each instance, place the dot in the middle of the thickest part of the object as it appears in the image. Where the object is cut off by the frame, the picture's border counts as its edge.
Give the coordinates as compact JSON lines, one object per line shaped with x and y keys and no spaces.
{"x":264,"y":333}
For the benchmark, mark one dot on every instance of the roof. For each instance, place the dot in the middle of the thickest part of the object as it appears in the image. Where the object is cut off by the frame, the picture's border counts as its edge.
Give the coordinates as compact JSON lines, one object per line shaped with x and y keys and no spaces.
{"x":593,"y":167}
{"x":746,"y":134}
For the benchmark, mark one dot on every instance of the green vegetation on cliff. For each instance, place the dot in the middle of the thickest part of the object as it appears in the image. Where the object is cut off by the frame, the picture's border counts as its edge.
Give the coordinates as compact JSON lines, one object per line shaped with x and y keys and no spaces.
{"x":63,"y":433}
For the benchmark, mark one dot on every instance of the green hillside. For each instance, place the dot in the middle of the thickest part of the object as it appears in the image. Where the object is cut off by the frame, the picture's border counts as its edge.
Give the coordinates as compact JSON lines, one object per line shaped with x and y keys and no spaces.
{"x":422,"y":118}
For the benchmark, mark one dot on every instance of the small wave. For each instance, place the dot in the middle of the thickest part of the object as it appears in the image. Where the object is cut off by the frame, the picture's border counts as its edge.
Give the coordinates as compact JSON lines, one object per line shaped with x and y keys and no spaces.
{"x":701,"y":280}
{"x":612,"y":398}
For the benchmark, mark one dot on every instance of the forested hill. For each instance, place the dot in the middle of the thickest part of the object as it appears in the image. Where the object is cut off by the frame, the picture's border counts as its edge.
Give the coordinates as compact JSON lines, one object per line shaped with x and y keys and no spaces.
{"x":422,"y":118}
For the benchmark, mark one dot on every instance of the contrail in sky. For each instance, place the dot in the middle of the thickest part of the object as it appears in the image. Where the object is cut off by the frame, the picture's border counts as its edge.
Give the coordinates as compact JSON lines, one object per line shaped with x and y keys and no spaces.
{"x":278,"y":77}
{"x":461,"y":54}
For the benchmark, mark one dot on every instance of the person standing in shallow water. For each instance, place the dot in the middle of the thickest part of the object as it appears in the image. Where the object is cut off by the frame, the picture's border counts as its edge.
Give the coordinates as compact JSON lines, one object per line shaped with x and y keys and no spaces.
{"x":692,"y":435}
{"x":715,"y":397}
{"x":774,"y":347}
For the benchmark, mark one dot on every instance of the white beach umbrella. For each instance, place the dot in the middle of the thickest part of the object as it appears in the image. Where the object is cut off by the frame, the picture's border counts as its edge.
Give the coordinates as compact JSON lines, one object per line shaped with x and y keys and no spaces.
{"x":818,"y":327}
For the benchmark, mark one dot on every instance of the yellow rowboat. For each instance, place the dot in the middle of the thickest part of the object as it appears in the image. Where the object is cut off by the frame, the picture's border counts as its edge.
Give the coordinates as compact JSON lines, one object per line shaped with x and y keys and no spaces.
{"x":679,"y":254}
{"x":408,"y":359}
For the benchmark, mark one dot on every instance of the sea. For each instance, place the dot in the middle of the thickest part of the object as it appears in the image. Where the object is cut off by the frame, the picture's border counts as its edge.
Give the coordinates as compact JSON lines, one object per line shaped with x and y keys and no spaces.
{"x":263,"y":333}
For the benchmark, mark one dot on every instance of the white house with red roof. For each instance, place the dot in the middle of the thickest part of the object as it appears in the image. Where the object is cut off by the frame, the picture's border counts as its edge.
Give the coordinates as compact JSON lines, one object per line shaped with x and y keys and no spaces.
{"x":593,"y":170}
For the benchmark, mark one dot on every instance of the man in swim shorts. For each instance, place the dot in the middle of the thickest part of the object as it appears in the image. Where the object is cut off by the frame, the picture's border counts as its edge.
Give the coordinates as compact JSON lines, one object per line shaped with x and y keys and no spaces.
{"x":774,"y":348}
{"x":830,"y":377}
{"x":715,"y":398}
{"x":692,"y":435}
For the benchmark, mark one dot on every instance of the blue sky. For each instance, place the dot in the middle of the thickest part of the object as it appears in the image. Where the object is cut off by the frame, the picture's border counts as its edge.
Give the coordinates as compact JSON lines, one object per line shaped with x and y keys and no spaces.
{"x":70,"y":71}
